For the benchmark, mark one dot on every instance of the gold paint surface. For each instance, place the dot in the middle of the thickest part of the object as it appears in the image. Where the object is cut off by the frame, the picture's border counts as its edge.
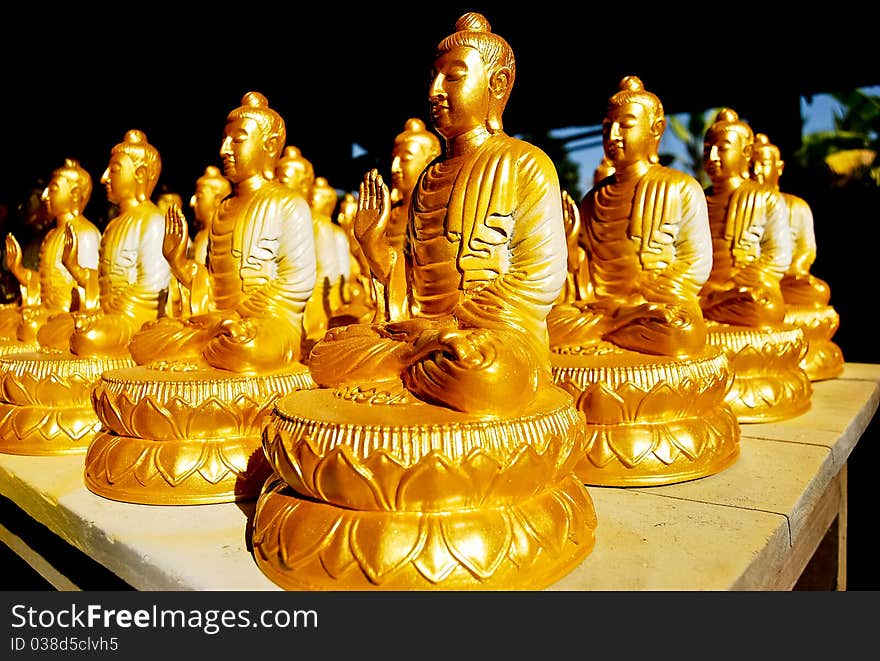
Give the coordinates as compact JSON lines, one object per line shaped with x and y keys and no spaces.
{"x":436,"y":453}
{"x":806,"y":296}
{"x":628,"y":336}
{"x":752,"y":251}
{"x":183,"y":426}
{"x":770,"y":383}
{"x":442,"y":502}
{"x":118,"y":284}
{"x":51,"y":289}
{"x":45,"y":401}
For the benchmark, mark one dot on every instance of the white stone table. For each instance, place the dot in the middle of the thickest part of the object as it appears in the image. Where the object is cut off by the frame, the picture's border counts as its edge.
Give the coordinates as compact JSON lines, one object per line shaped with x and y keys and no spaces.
{"x":754,"y":526}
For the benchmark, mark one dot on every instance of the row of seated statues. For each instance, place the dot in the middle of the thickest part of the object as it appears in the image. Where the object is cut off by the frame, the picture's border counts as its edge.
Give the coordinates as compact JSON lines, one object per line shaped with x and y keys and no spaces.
{"x":419,"y":390}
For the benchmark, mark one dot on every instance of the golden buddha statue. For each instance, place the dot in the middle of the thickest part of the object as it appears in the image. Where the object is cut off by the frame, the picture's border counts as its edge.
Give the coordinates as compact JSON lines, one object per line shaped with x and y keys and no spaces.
{"x":437,"y":453}
{"x":603,"y":170}
{"x":358,"y":294}
{"x":805,"y":296}
{"x":414,"y":149}
{"x":296,"y":172}
{"x":633,"y":350}
{"x":183,"y":425}
{"x":46,"y":405}
{"x":333,"y":261}
{"x":751,"y":251}
{"x":211,"y":189}
{"x":578,"y":286}
{"x":168,"y":199}
{"x":51,"y":288}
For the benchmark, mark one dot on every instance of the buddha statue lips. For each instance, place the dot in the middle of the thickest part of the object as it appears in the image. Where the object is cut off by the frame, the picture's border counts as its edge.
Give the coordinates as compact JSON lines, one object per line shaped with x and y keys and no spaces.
{"x":443,"y":408}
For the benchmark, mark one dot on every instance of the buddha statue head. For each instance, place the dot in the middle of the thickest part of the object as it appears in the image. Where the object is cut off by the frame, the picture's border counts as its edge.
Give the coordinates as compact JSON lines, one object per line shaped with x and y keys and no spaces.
{"x":169,"y":199}
{"x":766,"y":163}
{"x":347,"y":210}
{"x":727,"y":147}
{"x":474,"y":72}
{"x":296,"y":171}
{"x":414,"y":148}
{"x":633,"y":125}
{"x":603,"y":170}
{"x":69,"y":190}
{"x":324,"y":198}
{"x":133,"y":171}
{"x":252,"y":140}
{"x":211,"y":189}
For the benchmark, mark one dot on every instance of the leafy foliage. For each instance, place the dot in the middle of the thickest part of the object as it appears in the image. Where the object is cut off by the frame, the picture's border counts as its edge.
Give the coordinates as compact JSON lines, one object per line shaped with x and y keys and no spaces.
{"x":846,"y":155}
{"x":690,"y":131}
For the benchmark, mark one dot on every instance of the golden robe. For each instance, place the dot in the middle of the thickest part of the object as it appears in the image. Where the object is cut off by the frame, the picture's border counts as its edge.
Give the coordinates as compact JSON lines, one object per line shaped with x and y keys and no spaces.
{"x":752,"y":249}
{"x":648,"y":248}
{"x":799,"y":286}
{"x":485,"y":261}
{"x":260,"y":273}
{"x":58,"y":289}
{"x":133,"y":280}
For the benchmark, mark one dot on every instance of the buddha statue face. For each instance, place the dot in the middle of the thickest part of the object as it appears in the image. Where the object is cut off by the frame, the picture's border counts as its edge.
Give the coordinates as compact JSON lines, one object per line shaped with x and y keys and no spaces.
{"x":347,"y":211}
{"x":726,"y":153}
{"x":166,"y":200}
{"x":413,"y":150}
{"x":459,"y":92}
{"x":324,"y":197}
{"x":628,"y":135}
{"x":295,"y":171}
{"x":133,"y":170}
{"x":62,"y":196}
{"x":245,"y":151}
{"x":120,"y":178}
{"x":211,"y":189}
{"x":766,"y":164}
{"x":294,"y":174}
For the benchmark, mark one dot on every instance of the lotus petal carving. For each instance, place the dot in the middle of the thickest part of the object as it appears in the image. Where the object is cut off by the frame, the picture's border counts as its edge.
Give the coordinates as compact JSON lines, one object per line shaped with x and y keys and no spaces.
{"x":383,"y":546}
{"x":177,"y":419}
{"x":123,"y":459}
{"x":317,"y":542}
{"x":436,"y":482}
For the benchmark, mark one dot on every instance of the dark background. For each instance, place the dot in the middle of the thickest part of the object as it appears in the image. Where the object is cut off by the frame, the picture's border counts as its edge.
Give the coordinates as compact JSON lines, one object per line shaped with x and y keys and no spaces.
{"x":74,"y":80}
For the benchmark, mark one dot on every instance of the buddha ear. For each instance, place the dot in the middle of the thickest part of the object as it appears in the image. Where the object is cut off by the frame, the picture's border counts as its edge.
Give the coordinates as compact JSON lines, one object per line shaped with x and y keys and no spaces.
{"x":747,"y":156}
{"x":272,"y":145}
{"x":140,"y":177}
{"x":780,"y":166}
{"x":499,"y":82}
{"x":659,"y":127}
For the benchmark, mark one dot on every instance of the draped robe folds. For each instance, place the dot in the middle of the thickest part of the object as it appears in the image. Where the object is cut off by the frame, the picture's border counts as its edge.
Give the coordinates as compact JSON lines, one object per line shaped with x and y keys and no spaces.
{"x":485,"y":262}
{"x":752,"y":249}
{"x":648,"y":250}
{"x":57,"y":285}
{"x":261,"y":272}
{"x":133,"y":281}
{"x":799,"y":286}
